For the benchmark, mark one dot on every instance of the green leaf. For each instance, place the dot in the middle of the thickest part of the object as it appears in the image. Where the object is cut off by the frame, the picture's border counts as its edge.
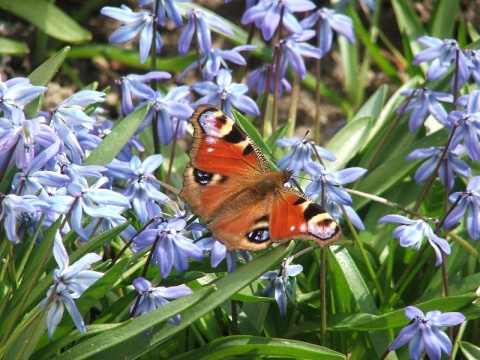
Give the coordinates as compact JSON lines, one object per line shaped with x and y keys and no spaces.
{"x":129,"y":341}
{"x":350,"y":66}
{"x":12,"y":47}
{"x":409,"y":24}
{"x":375,"y":51}
{"x":22,"y":300}
{"x":129,"y":338}
{"x":111,"y":145}
{"x":470,"y":351}
{"x":42,"y":76}
{"x":393,"y":171}
{"x":348,"y":141}
{"x":442,"y":25}
{"x":44,"y":73}
{"x":396,"y":319}
{"x":49,"y":18}
{"x":232,"y":346}
{"x":374,"y":106}
{"x":349,"y":288}
{"x":173,"y":64}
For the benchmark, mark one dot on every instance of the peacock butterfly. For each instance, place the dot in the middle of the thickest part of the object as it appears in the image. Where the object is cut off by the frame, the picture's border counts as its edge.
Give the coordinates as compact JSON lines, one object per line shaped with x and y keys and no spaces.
{"x":230,"y":186}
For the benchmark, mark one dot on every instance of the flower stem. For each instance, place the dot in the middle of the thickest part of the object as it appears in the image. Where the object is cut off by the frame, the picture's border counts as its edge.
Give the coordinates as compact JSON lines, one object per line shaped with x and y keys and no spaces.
{"x":323,"y":297}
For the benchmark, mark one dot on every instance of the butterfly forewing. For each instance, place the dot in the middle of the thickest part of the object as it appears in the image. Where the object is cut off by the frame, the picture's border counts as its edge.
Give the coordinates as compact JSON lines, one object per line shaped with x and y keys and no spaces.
{"x":221,"y":147}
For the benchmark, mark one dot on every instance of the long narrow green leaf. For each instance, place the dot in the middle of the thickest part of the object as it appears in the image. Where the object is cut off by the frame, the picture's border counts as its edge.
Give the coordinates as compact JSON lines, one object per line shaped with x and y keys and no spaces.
{"x":442,"y":24}
{"x":12,"y":47}
{"x":232,"y":346}
{"x":348,"y":141}
{"x":470,"y":351}
{"x":396,"y":319}
{"x":346,"y":272}
{"x":409,"y":24}
{"x":49,"y":18}
{"x":111,"y":145}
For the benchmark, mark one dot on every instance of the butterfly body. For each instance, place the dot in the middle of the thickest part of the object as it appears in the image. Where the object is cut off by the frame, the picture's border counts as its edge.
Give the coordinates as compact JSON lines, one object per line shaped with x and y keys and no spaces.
{"x":229,"y":184}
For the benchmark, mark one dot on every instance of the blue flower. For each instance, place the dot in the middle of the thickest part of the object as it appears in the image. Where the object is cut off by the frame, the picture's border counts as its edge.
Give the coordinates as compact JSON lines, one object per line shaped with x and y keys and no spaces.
{"x":467,"y":123}
{"x":70,"y":114}
{"x":469,"y":203}
{"x":266,"y":15}
{"x":218,"y":251}
{"x":215,"y":58}
{"x":199,"y":23}
{"x":301,"y":154}
{"x":134,"y":22}
{"x":329,"y":20}
{"x":279,"y":285}
{"x":258,"y":80}
{"x":474,"y":57}
{"x":134,"y":85}
{"x":294,"y":48}
{"x":139,"y":188}
{"x":412,"y":232}
{"x":95,"y":202}
{"x":70,"y":282}
{"x":226,"y":93}
{"x":422,"y":102}
{"x":172,"y":106}
{"x":167,"y":7}
{"x":12,"y":208}
{"x":450,"y":163}
{"x":34,"y":181}
{"x":443,"y":54}
{"x":328,"y":181}
{"x":16,"y":93}
{"x":152,"y":298}
{"x":423,"y":335}
{"x":172,"y":250}
{"x":336,"y":211}
{"x":23,"y":137}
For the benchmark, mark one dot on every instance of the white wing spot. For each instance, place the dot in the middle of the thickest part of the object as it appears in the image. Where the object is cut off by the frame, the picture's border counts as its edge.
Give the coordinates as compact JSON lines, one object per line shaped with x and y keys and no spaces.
{"x":210,"y":140}
{"x":209,"y":149}
{"x":303,"y":228}
{"x":292,"y":228}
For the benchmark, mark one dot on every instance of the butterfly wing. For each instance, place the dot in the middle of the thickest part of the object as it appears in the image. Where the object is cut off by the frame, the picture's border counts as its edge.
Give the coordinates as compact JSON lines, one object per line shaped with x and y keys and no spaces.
{"x":223,"y":161}
{"x":220,"y":146}
{"x":294,"y":216}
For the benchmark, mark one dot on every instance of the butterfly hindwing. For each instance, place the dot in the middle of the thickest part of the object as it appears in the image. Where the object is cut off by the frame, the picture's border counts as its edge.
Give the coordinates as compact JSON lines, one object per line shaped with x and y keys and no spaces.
{"x":295,"y":216}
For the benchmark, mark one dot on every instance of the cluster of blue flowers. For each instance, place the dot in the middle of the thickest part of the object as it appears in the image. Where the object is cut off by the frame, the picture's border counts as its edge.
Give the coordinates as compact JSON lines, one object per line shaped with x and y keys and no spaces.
{"x":52,"y":182}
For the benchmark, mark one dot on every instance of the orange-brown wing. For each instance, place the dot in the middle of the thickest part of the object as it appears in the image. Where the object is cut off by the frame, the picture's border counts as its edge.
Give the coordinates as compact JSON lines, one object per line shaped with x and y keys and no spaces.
{"x":223,"y":161}
{"x":280,"y":216}
{"x":220,"y":146}
{"x":294,"y":216}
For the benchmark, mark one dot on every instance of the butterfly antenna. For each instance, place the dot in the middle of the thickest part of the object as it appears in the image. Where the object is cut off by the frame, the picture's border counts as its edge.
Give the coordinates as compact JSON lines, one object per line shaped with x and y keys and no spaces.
{"x":320,"y":160}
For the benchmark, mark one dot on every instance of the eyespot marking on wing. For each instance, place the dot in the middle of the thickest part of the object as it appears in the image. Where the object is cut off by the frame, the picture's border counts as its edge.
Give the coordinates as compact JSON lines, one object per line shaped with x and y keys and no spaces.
{"x":205,"y":178}
{"x":259,"y":235}
{"x":202,"y":177}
